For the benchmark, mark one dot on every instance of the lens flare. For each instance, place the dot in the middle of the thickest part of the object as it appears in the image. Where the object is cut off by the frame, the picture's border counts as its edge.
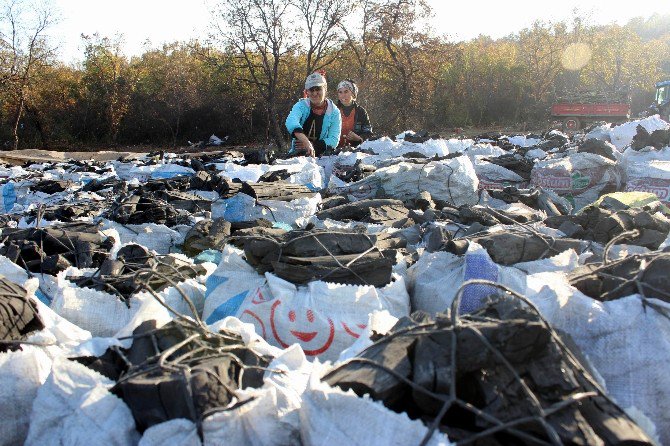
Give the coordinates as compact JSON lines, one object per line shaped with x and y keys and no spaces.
{"x":576,"y":56}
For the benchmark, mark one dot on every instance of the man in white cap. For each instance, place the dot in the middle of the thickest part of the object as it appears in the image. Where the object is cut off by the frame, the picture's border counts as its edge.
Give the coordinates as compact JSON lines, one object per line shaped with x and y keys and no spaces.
{"x":314,"y":122}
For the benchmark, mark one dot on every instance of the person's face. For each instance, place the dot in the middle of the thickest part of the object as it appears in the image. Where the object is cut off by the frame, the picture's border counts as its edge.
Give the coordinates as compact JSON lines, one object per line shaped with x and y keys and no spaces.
{"x":317,"y":95}
{"x":345,"y":96}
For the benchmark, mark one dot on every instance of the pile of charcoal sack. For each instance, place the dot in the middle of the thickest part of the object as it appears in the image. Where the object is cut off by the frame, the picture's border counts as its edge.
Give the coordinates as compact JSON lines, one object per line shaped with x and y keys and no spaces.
{"x":504,"y":289}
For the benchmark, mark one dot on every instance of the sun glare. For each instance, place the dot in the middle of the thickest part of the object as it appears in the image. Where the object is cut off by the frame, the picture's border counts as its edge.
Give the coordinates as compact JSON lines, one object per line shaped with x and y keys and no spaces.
{"x":576,"y":56}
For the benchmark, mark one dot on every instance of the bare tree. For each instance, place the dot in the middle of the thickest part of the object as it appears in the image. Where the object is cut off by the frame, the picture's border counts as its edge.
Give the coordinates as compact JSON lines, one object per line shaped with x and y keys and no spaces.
{"x":360,"y":37}
{"x":25,"y":50}
{"x":258,"y":38}
{"x":394,"y":23}
{"x":323,"y":35}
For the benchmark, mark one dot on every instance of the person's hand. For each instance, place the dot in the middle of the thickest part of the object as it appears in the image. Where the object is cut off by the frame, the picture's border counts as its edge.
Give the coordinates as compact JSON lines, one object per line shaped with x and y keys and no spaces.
{"x":351,"y":136}
{"x":305,"y":145}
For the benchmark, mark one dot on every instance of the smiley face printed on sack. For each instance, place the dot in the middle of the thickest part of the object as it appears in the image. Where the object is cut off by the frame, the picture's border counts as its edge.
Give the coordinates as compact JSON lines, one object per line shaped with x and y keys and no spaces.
{"x":259,"y":298}
{"x":356,"y":332}
{"x":290,"y":326}
{"x":256,"y":320}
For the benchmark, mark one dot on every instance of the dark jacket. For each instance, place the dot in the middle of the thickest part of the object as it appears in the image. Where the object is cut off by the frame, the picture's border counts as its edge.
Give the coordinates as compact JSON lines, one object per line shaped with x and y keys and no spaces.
{"x":362,"y":126}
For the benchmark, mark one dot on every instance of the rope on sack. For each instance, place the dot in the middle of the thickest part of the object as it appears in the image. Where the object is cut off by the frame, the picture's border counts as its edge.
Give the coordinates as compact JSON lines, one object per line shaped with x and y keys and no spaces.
{"x":459,"y":324}
{"x":646,"y":260}
{"x":314,"y":236}
{"x":258,"y":203}
{"x":196,"y":334}
{"x":528,"y":229}
{"x":25,"y":268}
{"x":451,"y":172}
{"x":346,"y":267}
{"x":626,"y":234}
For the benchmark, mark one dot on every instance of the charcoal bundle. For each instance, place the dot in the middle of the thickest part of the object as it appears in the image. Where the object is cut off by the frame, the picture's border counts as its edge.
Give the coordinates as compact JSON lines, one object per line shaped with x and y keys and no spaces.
{"x":646,"y":274}
{"x":519,"y":165}
{"x":137,"y":269}
{"x":604,"y":225}
{"x":68,"y":213}
{"x":55,"y":248}
{"x":206,"y":234}
{"x":658,"y":138}
{"x":517,"y":245}
{"x":140,"y":209}
{"x":340,"y":257}
{"x":379,"y":211}
{"x":18,"y":315}
{"x":499,"y":376}
{"x":182,"y":370}
{"x":51,"y":186}
{"x":278,"y":190}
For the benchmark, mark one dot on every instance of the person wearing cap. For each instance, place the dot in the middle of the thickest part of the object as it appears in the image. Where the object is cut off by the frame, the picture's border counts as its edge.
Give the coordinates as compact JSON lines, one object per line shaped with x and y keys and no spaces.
{"x":314,"y":122}
{"x":356,"y":126}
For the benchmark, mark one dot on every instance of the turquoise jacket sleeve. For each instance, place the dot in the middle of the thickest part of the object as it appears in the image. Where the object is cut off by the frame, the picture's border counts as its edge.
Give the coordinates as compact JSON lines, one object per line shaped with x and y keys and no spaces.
{"x":295,"y":118}
{"x":332,"y":137}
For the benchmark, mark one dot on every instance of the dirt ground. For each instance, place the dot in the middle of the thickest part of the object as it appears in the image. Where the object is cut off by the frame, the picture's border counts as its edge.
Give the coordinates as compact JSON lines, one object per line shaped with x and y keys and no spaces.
{"x":19,"y":157}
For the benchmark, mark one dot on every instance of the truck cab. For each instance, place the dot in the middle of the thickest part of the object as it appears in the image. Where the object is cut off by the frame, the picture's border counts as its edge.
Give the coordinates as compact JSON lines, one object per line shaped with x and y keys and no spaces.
{"x":661,"y":104}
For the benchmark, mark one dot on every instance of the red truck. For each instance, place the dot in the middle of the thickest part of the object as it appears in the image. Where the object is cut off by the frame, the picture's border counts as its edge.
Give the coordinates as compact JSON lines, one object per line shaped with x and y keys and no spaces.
{"x":576,"y":112}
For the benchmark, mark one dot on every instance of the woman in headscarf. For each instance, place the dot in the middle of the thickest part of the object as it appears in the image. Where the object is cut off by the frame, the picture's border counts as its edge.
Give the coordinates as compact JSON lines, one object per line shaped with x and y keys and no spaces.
{"x":314,"y":122}
{"x":356,"y":126}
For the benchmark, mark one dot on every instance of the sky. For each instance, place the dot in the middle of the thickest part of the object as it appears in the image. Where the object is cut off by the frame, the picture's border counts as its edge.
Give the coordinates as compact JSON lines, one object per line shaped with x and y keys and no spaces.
{"x":161,"y":21}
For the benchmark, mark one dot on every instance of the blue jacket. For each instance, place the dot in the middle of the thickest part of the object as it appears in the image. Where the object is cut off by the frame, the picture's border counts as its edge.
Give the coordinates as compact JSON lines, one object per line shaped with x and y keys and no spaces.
{"x":332,"y":122}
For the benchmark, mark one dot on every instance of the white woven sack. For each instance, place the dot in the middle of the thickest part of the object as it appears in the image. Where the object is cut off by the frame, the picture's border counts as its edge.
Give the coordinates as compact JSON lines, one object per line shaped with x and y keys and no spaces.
{"x":98,"y":312}
{"x":173,"y":297}
{"x":177,"y":432}
{"x":648,"y":171}
{"x":565,"y":261}
{"x":104,"y":314}
{"x":436,"y":278}
{"x":324,"y":318}
{"x":256,"y":423}
{"x":271,"y":416}
{"x":21,"y":375}
{"x":379,"y":322}
{"x":483,"y":150}
{"x":303,"y":170}
{"x":62,"y":336}
{"x":582,"y":177}
{"x":330,"y":416}
{"x":74,"y":407}
{"x":627,"y":343}
{"x":453,"y":181}
{"x":157,"y":238}
{"x":251,"y":172}
{"x":242,"y":207}
{"x":229,"y":284}
{"x":493,"y":176}
{"x":364,"y":189}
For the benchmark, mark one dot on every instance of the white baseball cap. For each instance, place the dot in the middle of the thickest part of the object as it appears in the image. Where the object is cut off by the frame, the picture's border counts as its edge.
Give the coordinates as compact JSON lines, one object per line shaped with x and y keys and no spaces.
{"x":315,"y":80}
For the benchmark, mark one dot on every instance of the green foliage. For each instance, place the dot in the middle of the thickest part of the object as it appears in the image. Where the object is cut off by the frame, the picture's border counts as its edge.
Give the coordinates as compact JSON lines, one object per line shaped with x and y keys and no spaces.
{"x":408,"y":78}
{"x":108,"y":81}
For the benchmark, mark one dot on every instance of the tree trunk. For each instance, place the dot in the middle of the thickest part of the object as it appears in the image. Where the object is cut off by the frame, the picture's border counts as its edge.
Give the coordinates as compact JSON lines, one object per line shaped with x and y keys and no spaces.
{"x":19,"y":114}
{"x":44,"y":137}
{"x":275,"y":127}
{"x":176,"y":131}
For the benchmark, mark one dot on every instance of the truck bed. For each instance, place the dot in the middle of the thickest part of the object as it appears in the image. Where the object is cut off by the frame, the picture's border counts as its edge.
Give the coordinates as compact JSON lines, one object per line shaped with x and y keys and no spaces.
{"x":591,"y":110}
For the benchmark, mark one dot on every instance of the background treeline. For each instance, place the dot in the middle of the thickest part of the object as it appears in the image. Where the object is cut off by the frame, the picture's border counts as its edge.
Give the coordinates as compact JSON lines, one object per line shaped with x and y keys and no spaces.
{"x":241,"y":80}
